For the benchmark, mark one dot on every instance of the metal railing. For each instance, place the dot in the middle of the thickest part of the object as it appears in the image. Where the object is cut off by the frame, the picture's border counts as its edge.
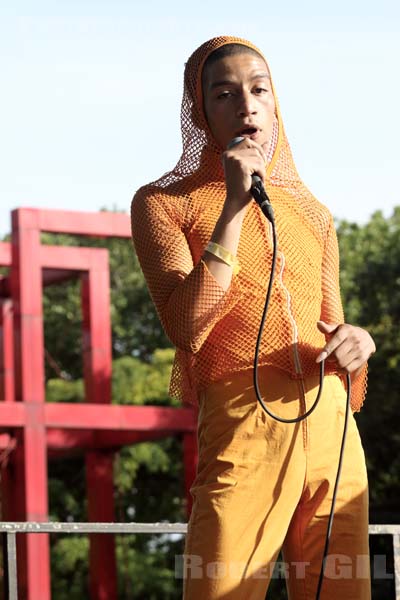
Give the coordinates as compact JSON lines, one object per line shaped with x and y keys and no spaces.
{"x":11,"y":529}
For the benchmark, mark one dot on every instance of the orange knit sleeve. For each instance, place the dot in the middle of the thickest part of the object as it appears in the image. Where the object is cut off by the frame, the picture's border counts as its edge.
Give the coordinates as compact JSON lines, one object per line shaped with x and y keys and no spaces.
{"x":332,"y":310}
{"x":188,"y":298}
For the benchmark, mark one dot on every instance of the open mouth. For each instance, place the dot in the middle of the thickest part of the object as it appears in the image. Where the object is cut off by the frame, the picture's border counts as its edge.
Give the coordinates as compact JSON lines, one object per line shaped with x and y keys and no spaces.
{"x":248,"y":131}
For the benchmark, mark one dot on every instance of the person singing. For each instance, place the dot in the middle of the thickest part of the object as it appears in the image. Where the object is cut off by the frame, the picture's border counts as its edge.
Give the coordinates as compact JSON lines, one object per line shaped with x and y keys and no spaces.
{"x":206,"y":249}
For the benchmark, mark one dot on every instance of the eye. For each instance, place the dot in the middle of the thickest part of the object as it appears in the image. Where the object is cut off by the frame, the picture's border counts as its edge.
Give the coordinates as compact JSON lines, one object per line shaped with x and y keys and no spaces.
{"x":224,"y":95}
{"x":260,"y":90}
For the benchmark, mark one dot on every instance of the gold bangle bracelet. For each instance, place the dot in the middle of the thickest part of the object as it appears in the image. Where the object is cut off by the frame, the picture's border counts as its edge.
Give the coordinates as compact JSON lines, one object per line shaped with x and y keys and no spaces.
{"x":227,"y":257}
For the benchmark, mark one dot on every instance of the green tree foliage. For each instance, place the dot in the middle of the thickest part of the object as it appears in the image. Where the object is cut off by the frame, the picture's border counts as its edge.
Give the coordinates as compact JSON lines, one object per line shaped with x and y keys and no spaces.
{"x":370,"y":280}
{"x":135,"y":381}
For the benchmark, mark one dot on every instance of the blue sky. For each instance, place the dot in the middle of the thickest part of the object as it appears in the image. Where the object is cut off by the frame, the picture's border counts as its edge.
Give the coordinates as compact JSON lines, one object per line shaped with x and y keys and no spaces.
{"x":91,"y":91}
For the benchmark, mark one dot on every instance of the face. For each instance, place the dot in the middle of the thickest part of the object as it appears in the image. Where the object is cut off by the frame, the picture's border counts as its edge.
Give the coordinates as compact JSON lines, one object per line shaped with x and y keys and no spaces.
{"x":238,"y":99}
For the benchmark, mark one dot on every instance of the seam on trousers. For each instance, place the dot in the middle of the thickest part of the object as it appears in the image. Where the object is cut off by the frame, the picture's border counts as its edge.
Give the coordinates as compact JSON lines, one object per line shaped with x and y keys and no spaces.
{"x":300,"y":545}
{"x":303,"y":409}
{"x":304,"y":427}
{"x":187,"y":551}
{"x":194,"y":513}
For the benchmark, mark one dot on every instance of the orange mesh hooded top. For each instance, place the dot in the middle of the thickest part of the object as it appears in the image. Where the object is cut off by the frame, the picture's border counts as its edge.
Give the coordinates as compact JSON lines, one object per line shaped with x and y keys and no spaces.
{"x":173,"y":218}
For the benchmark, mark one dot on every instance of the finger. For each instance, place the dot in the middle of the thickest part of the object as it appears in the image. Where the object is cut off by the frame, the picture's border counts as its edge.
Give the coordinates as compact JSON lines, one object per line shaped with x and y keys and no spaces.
{"x":327,"y":328}
{"x":259,"y":168}
{"x":350,"y":350}
{"x":235,"y":142}
{"x":354,"y":365}
{"x":331,"y":346}
{"x":248,"y":143}
{"x":249,"y":160}
{"x":244,"y":153}
{"x":345,"y":354}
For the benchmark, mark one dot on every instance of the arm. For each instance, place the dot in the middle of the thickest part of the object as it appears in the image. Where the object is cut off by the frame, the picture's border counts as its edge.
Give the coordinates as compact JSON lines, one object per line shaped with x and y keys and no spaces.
{"x":240,"y":163}
{"x":190,"y":298}
{"x":349,"y":346}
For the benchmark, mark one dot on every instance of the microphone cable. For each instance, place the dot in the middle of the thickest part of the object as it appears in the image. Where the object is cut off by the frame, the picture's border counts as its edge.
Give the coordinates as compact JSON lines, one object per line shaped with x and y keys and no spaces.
{"x":260,"y":196}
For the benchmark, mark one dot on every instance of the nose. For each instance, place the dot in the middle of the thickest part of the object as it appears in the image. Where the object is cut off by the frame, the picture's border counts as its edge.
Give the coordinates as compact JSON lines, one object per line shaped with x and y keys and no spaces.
{"x":246,"y":104}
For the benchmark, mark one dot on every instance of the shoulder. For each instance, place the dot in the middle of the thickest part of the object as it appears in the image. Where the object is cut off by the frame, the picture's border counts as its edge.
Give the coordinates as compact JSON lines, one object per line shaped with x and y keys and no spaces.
{"x":324,"y":217}
{"x":182,"y":201}
{"x":153,"y":200}
{"x":318,"y":215}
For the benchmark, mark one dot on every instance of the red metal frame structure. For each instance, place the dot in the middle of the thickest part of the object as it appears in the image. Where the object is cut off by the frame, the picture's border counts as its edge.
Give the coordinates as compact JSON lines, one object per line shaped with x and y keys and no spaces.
{"x":30,"y":429}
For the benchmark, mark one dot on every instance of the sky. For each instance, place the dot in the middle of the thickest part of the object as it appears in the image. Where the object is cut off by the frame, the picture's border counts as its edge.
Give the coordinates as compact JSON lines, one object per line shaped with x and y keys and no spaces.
{"x":91,"y":91}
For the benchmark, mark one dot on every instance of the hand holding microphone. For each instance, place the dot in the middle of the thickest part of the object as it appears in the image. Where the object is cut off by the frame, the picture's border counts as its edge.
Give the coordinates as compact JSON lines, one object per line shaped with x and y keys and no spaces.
{"x":244,"y":173}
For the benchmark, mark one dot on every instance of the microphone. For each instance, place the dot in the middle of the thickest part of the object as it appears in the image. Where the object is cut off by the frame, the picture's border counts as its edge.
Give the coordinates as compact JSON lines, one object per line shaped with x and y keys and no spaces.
{"x":260,"y":196}
{"x":257,"y":189}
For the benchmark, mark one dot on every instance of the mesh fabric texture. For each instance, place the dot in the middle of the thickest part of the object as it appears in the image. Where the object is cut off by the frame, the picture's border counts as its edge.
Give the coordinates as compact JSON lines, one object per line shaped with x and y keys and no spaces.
{"x":173,"y":218}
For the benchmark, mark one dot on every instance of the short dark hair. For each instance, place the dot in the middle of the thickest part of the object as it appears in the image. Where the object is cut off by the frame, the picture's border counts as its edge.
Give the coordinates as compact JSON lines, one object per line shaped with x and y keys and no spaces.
{"x":222,"y":52}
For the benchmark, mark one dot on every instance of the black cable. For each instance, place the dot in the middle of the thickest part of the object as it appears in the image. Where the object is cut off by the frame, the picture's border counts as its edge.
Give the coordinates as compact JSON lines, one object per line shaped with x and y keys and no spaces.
{"x":331,"y":514}
{"x":260,"y":196}
{"x":257,"y":350}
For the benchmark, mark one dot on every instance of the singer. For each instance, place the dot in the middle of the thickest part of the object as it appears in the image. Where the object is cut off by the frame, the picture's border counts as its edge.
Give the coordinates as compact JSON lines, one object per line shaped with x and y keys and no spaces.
{"x":205,"y":249}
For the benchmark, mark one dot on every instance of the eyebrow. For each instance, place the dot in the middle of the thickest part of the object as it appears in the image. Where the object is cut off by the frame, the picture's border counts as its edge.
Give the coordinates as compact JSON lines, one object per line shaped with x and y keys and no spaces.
{"x":230,"y":82}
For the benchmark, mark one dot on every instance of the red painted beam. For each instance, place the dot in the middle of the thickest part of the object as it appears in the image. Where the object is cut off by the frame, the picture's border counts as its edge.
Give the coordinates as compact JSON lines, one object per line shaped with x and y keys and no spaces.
{"x":97,"y":354}
{"x":72,"y":258}
{"x":62,"y":442}
{"x":119,"y":417}
{"x":99,"y":224}
{"x":100,"y":507}
{"x":115,"y":417}
{"x":31,"y":453}
{"x":97,"y":367}
{"x":57,"y":257}
{"x":12,"y":414}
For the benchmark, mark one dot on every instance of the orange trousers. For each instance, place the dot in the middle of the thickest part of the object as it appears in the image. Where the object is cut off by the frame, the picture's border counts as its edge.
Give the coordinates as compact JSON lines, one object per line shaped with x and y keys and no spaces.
{"x":262,"y":486}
